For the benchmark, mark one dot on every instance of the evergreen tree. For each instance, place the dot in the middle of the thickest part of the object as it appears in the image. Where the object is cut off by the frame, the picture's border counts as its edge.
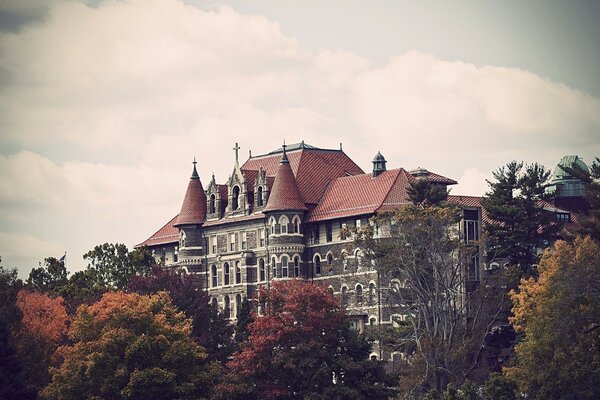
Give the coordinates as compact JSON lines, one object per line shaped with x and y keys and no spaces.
{"x":51,"y":277}
{"x":423,"y":192}
{"x":244,"y":318}
{"x":11,"y":382}
{"x":519,"y":224}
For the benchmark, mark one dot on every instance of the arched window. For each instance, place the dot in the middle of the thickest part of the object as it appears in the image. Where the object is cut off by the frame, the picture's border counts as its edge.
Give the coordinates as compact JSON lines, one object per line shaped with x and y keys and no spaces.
{"x":227,"y":307}
{"x":238,"y":272}
{"x":226,"y":274}
{"x":317,"y":265}
{"x":235,"y":200}
{"x":359,"y":293}
{"x":344,"y":296}
{"x":213,"y":273}
{"x":182,"y":239}
{"x":296,"y":266}
{"x":272,"y":224}
{"x":372,"y":294}
{"x":238,"y":304}
{"x":372,"y":321}
{"x":259,"y":196}
{"x":214,"y":302}
{"x":330,"y":289}
{"x":296,"y":223}
{"x":283,"y":222}
{"x":284,"y":266}
{"x":261,"y":270}
{"x":329,"y":260}
{"x":274,"y":268}
{"x":359,"y":259}
{"x":212,"y":206}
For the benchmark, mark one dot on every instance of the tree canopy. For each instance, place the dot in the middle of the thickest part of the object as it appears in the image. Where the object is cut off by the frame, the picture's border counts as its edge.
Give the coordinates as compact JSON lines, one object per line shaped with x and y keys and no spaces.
{"x":302,"y":347}
{"x":129,"y":346}
{"x":559,"y":316}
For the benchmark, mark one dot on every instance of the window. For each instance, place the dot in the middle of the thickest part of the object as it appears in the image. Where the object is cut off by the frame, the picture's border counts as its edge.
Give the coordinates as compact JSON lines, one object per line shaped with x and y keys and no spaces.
{"x":296,"y":266}
{"x":214,"y":277}
{"x":238,"y":272}
{"x":343,"y":231}
{"x":563,"y":217}
{"x":238,"y":304}
{"x":261,"y":236}
{"x":274,"y":268}
{"x":296,"y":223}
{"x":473,"y":269}
{"x":359,"y":294}
{"x":227,"y":305}
{"x":214,"y":302}
{"x":235,"y":199}
{"x":232,"y":242}
{"x":259,"y":196}
{"x":358,"y":223}
{"x":272,"y":225}
{"x":329,"y":260}
{"x":284,"y":266}
{"x":471,"y":225}
{"x":317,"y":265}
{"x":283,"y":222}
{"x":315,"y":235}
{"x":372,"y":294}
{"x":261,"y":270}
{"x":372,"y":321}
{"x":329,"y":232}
{"x":359,"y":259}
{"x":344,"y":296}
{"x":213,"y":241}
{"x":182,"y":239}
{"x":226,"y":274}
{"x":175,"y":254}
{"x":244,"y":241}
{"x":212,"y":209}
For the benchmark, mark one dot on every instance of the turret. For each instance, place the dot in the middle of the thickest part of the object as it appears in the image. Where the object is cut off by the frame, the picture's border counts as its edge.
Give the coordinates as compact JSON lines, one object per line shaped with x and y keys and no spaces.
{"x":378,"y":164}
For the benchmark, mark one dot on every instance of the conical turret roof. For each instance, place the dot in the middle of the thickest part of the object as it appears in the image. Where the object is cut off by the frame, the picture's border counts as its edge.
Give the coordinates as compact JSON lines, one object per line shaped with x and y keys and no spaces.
{"x":193,"y":209}
{"x":285,"y":194}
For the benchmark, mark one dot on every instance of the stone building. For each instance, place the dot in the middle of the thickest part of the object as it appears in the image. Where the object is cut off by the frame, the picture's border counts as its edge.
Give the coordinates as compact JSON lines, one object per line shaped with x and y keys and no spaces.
{"x":284,"y":215}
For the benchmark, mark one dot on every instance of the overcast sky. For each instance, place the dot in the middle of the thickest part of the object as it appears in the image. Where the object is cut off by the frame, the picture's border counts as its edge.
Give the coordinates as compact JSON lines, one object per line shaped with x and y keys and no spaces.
{"x":103,"y":104}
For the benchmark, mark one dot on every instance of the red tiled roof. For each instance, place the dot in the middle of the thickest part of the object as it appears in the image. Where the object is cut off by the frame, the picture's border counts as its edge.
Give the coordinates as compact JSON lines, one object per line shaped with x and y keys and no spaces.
{"x":433,"y":177}
{"x":313,"y":169}
{"x":285,"y":194}
{"x":166,"y":234}
{"x":362,"y":194}
{"x":193,"y":209}
{"x":470,"y":201}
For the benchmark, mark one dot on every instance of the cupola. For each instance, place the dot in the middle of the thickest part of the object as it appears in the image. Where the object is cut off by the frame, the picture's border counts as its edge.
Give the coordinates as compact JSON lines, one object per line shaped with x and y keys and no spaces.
{"x":378,"y":164}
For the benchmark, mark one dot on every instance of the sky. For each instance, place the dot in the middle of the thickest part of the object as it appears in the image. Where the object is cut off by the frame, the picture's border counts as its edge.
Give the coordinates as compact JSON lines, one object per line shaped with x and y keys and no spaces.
{"x":104,"y":104}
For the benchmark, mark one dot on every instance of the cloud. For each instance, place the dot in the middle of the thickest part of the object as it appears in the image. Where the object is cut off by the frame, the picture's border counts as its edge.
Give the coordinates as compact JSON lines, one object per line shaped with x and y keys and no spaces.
{"x":21,"y":248}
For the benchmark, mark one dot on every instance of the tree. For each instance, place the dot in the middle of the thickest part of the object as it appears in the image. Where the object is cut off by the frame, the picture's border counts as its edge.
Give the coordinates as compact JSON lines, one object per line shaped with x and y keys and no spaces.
{"x":519,"y":224}
{"x":48,"y":278}
{"x":129,"y":346}
{"x":9,"y":287}
{"x":589,"y":221}
{"x":115,"y":264}
{"x":424,"y":192}
{"x":559,"y":316}
{"x":43,"y":328}
{"x":419,"y":248}
{"x":499,"y":387}
{"x":210,"y":328}
{"x":244,"y":319}
{"x":12,"y":385}
{"x":302,"y":347}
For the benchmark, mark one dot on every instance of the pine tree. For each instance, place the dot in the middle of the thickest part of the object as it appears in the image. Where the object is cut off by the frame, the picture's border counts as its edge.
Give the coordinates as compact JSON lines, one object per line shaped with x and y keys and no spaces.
{"x":244,"y":318}
{"x":423,"y":192}
{"x":519,"y":225}
{"x":11,"y":382}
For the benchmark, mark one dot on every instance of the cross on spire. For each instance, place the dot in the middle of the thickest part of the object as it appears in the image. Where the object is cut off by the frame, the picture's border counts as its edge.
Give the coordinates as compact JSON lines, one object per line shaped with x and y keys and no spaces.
{"x":236,"y":148}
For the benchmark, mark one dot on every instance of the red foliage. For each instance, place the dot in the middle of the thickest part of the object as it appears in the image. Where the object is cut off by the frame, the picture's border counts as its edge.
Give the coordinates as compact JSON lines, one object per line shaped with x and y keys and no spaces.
{"x":43,"y":316}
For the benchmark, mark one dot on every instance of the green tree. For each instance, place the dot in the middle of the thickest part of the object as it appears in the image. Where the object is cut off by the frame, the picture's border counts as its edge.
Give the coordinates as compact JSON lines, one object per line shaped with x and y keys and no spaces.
{"x":50,"y":277}
{"x":129,"y":346}
{"x":559,"y":316}
{"x":12,"y":385}
{"x":115,"y":264}
{"x":303,"y":348}
{"x":499,"y":387}
{"x":244,"y":319}
{"x":424,"y":192}
{"x":589,"y":220}
{"x":519,"y":224}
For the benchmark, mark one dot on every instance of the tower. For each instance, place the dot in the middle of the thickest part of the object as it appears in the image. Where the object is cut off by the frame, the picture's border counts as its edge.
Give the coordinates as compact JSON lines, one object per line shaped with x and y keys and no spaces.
{"x":285,"y":212}
{"x":189,"y":223}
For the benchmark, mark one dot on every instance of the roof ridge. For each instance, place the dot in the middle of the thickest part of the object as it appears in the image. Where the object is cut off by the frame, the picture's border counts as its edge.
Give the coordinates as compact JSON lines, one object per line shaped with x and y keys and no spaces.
{"x":400,"y":170}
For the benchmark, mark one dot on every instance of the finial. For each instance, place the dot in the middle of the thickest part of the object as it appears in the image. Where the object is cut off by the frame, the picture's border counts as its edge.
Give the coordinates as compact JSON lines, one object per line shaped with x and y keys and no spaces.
{"x":284,"y":159}
{"x":302,"y":144}
{"x":236,"y":148}
{"x":195,"y":172}
{"x":250,"y":153}
{"x":341,"y":146}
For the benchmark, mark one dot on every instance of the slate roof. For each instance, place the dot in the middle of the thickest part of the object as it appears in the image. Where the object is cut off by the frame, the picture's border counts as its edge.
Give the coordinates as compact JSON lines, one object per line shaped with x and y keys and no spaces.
{"x":167,"y":234}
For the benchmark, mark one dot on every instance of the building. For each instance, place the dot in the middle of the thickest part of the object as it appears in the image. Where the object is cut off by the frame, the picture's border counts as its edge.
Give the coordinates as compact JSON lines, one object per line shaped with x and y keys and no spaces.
{"x":284,"y":215}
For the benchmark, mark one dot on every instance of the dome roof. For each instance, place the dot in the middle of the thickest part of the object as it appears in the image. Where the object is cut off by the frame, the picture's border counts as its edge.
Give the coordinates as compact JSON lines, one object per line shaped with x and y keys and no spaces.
{"x":567,"y":161}
{"x":193,"y":209}
{"x":378,"y":157}
{"x":285,"y":194}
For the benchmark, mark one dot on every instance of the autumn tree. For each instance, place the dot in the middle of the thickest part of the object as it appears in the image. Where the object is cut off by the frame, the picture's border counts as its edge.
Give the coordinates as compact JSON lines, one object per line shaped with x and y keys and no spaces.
{"x":210,"y":328}
{"x":519,"y":224}
{"x":303,"y":348}
{"x":129,"y":346}
{"x":558,"y":315}
{"x":115,"y":264}
{"x":43,"y":328}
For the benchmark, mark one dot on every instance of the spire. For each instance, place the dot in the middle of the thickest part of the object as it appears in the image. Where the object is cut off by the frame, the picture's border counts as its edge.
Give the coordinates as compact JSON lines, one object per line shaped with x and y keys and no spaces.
{"x":193,"y":209}
{"x":285,"y":194}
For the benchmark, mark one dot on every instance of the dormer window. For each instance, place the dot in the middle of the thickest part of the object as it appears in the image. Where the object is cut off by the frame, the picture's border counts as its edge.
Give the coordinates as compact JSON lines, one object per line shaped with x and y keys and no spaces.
{"x":259,"y":196}
{"x":235,"y":200}
{"x":212,"y":205}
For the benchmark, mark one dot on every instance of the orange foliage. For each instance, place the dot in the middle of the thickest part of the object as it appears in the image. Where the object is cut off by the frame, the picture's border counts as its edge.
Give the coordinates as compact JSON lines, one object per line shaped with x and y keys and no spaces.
{"x":43,"y":316}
